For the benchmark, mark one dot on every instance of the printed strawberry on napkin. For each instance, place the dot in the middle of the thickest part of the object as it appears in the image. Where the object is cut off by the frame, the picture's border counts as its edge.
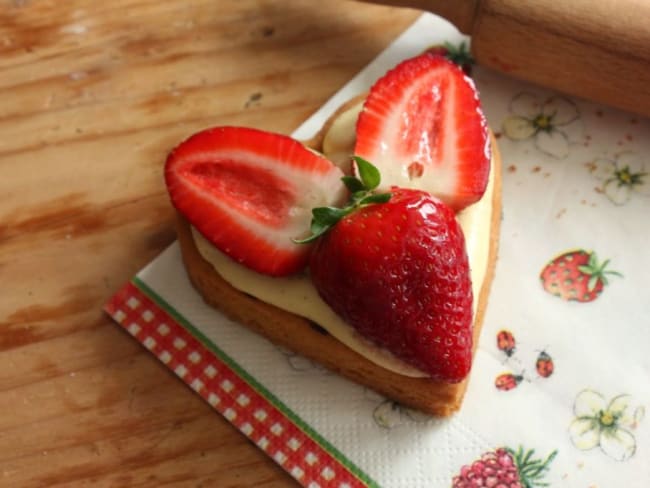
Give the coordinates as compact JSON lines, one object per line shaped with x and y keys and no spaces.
{"x":561,"y":379}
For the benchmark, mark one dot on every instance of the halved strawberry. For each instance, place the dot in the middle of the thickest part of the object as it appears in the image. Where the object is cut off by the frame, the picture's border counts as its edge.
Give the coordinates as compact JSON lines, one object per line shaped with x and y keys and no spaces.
{"x":251,"y":192}
{"x":423,"y":127}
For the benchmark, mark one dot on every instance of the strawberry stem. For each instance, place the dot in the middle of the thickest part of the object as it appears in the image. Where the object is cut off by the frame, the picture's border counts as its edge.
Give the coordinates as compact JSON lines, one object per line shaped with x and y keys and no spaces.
{"x":362,"y":194}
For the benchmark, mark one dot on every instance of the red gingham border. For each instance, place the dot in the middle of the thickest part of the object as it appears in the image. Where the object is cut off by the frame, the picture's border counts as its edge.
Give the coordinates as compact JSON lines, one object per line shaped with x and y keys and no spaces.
{"x":240,"y":403}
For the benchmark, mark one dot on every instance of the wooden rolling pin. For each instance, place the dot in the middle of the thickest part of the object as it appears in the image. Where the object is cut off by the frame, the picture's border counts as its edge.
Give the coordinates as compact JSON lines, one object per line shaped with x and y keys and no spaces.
{"x":595,"y":49}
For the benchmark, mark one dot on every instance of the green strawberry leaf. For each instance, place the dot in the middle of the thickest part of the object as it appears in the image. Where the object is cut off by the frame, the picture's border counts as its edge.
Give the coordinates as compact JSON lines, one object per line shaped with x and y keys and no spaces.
{"x":328,"y":215}
{"x":353,"y":184}
{"x":376,"y":198}
{"x":324,"y":218}
{"x":459,"y":55}
{"x":317,"y":229}
{"x":369,"y":174}
{"x":357,"y":196}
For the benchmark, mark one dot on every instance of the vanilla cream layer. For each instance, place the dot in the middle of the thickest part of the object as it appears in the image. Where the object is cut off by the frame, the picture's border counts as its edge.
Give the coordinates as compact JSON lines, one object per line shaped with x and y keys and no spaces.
{"x":298,"y":295}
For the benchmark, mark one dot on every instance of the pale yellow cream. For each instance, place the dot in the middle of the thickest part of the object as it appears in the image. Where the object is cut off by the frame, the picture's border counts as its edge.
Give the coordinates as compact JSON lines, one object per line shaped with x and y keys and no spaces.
{"x":297,"y":294}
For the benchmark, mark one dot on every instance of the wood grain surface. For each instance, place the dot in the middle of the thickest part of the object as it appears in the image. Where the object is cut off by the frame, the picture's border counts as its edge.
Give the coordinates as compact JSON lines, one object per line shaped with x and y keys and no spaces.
{"x":92,"y":97}
{"x":598,"y":50}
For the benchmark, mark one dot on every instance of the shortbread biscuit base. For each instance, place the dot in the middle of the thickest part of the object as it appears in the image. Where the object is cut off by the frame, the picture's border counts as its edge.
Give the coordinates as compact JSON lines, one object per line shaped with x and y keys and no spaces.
{"x":310,"y":340}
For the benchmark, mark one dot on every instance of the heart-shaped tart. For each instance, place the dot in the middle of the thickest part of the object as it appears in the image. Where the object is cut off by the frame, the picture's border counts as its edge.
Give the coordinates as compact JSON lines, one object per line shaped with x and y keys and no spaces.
{"x":388,"y":289}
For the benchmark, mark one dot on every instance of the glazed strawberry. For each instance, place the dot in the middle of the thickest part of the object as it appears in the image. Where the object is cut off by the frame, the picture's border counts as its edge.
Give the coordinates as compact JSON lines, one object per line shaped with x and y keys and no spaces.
{"x":576,"y":275}
{"x":398,"y":273}
{"x":423,"y":127}
{"x":251,"y":192}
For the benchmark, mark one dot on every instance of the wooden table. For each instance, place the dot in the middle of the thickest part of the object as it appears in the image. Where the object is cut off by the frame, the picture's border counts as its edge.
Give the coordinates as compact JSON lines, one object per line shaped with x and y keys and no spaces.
{"x":93,"y":94}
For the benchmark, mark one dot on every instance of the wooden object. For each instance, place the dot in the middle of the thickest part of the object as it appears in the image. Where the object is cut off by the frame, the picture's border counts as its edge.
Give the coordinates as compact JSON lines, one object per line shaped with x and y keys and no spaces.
{"x":599,"y":50}
{"x":92,"y":97}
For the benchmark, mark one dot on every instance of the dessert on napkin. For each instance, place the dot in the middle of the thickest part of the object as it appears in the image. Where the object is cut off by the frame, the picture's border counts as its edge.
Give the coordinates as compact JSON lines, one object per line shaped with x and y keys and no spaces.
{"x":370,"y":248}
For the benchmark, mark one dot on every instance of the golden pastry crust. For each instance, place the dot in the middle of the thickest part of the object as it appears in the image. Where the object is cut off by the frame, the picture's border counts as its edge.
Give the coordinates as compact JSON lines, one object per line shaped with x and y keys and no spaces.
{"x":316,"y":142}
{"x":310,"y":340}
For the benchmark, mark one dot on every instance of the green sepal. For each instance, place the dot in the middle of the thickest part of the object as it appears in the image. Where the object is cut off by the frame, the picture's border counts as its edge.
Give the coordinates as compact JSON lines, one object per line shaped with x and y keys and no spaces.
{"x":328,"y":215}
{"x":376,"y":198}
{"x":317,"y":229}
{"x":324,"y":218}
{"x":368,"y":173}
{"x":353,"y":184}
{"x":459,"y":55}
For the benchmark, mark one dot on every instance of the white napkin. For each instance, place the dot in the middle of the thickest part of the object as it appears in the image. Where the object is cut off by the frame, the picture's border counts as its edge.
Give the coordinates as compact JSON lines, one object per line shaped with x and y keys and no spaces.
{"x":573,"y":180}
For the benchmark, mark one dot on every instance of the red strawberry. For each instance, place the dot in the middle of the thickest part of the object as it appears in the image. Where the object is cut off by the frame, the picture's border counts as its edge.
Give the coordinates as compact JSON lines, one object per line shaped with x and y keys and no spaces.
{"x":576,"y":275}
{"x":504,"y":468}
{"x":423,"y":127}
{"x":250,"y":192}
{"x":398,"y":273}
{"x":459,"y":55}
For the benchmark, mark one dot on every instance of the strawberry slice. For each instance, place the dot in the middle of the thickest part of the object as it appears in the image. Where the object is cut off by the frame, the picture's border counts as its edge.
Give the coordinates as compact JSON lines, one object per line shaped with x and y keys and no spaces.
{"x":422,"y":126}
{"x":251,"y":192}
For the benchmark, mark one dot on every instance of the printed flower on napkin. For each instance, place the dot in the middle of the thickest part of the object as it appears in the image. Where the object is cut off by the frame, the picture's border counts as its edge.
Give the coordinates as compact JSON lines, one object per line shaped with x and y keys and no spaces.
{"x":553,"y":123}
{"x":622,"y":176}
{"x":603,"y":424}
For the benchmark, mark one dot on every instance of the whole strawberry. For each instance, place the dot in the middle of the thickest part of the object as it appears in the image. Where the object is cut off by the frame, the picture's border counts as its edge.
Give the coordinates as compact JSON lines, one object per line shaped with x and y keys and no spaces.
{"x":576,"y":275}
{"x":504,"y":468}
{"x":398,"y":273}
